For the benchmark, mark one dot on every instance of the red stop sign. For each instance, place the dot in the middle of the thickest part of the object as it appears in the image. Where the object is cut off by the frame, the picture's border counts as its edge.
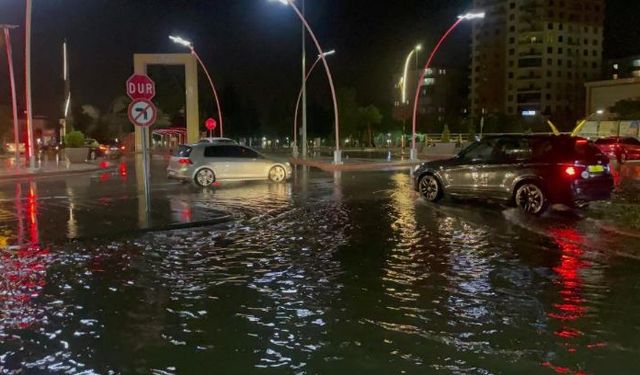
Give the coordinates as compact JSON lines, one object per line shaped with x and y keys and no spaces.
{"x":211,"y":124}
{"x":140,"y":86}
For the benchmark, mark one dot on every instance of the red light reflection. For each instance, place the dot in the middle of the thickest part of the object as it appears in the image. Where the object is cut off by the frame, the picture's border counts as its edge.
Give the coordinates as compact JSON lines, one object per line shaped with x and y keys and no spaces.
{"x":571,"y":307}
{"x":23,"y":268}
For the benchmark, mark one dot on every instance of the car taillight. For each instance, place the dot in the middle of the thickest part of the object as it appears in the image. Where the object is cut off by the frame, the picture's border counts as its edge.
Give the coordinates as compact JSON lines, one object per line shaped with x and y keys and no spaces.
{"x":122,"y":148}
{"x":571,"y":171}
{"x":185,"y":161}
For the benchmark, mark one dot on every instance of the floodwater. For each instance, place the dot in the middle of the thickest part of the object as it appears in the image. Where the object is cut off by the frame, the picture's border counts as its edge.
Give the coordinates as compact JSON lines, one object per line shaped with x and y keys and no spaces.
{"x":328,"y":274}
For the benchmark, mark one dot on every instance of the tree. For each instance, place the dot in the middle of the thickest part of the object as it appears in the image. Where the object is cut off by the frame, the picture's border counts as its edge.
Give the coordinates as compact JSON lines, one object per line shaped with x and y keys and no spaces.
{"x":348,"y":107}
{"x":628,"y":109}
{"x":369,"y":117}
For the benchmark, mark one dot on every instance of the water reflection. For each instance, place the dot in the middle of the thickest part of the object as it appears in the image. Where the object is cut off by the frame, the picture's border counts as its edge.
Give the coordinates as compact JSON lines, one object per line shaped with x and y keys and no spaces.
{"x":23,"y":264}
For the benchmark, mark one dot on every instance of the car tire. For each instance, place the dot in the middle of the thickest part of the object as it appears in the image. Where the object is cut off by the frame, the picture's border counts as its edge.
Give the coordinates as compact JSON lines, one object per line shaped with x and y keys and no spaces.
{"x":530,"y":198}
{"x":277,"y":174}
{"x":430,"y":188}
{"x":205,"y":177}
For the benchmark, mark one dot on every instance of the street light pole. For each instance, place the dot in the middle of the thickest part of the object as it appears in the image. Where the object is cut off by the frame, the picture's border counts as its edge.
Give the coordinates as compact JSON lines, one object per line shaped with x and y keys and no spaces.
{"x":405,"y":78}
{"x":337,"y":154}
{"x":305,"y":140}
{"x":468,"y":16}
{"x":189,"y":45}
{"x":12,"y":83}
{"x":300,"y":96}
{"x":27,"y":75}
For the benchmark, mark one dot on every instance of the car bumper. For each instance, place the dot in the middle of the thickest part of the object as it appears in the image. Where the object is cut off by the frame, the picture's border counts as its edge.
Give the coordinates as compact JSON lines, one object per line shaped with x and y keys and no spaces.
{"x":592,"y":190}
{"x":178,"y":174}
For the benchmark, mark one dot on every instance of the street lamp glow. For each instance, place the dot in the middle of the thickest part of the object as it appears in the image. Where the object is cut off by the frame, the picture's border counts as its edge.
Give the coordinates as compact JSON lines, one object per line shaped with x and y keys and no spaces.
{"x":179,"y":40}
{"x":471,"y":16}
{"x":600,"y":112}
{"x":328,"y":53}
{"x":419,"y":47}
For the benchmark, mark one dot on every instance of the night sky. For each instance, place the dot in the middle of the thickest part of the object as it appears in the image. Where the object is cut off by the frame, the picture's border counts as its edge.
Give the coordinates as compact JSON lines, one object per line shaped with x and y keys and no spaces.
{"x":253,"y":45}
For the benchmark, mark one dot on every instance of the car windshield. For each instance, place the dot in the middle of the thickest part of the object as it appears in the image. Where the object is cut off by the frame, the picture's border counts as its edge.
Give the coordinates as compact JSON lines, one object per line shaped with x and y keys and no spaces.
{"x":606,"y":141}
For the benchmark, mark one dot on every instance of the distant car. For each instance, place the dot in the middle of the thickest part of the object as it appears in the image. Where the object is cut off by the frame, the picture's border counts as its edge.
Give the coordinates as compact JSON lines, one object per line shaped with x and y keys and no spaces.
{"x":206,"y":163}
{"x":531,"y":172}
{"x":220,"y":141}
{"x":620,"y":148}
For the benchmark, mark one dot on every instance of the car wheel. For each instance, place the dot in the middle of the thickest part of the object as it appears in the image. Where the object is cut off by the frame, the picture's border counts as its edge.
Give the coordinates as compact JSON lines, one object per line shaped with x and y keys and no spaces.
{"x":205,"y":177}
{"x":277,"y":174}
{"x":531,"y":199}
{"x":430,"y":188}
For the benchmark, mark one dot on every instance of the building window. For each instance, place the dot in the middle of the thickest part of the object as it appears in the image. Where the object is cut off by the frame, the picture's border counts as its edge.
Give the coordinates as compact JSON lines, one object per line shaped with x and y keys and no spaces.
{"x":548,"y":96}
{"x":595,"y":53}
{"x":560,"y":50}
{"x":511,"y":40}
{"x":510,"y":74}
{"x":594,"y":65}
{"x":512,"y":29}
{"x":549,"y":49}
{"x":550,"y":26}
{"x":559,"y":62}
{"x":548,"y":75}
{"x":512,"y":5}
{"x":512,"y":52}
{"x":549,"y":83}
{"x":560,"y":39}
{"x":595,"y":42}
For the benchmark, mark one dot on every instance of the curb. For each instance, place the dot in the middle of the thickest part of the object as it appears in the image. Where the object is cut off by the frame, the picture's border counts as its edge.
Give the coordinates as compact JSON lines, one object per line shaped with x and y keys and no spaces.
{"x":54,"y":173}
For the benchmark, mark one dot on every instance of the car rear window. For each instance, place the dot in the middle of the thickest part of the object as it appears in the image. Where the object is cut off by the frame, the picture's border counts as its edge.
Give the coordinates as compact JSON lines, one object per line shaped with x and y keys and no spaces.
{"x":183,"y":152}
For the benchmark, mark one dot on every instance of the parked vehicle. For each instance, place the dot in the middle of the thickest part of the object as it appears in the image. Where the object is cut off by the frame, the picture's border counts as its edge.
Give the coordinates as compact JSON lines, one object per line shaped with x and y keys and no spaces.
{"x":620,"y":148}
{"x":206,"y":163}
{"x":531,"y":172}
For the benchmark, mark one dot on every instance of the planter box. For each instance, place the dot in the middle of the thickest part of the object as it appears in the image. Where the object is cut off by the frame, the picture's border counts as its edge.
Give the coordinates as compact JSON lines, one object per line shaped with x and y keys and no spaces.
{"x":76,"y":155}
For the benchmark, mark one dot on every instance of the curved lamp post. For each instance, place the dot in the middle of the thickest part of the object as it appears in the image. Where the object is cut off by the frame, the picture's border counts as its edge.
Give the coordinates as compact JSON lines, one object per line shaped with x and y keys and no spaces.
{"x":12,"y":85}
{"x":295,"y":116}
{"x":337,"y":154}
{"x":468,"y":16}
{"x":582,"y":123}
{"x":188,"y":44}
{"x":405,"y":75}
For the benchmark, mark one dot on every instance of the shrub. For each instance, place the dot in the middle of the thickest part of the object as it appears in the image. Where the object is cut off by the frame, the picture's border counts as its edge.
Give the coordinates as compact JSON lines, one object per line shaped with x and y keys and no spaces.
{"x":74,"y":139}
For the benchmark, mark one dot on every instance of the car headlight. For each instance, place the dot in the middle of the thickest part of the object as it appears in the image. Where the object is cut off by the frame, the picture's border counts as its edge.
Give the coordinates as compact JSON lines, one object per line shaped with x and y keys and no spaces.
{"x":417,"y":168}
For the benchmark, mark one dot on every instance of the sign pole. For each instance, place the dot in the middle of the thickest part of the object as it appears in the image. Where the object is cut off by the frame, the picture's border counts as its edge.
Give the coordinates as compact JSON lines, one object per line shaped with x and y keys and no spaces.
{"x":145,"y":167}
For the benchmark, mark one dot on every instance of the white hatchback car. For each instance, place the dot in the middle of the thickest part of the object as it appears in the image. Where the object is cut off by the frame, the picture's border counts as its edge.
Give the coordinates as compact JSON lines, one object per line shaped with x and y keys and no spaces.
{"x":206,"y":163}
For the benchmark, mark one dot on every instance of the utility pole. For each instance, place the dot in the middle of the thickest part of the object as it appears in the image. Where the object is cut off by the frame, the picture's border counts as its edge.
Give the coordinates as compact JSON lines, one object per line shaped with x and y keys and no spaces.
{"x":67,"y":90}
{"x":12,"y":82}
{"x":27,"y":75}
{"x":305,"y":143}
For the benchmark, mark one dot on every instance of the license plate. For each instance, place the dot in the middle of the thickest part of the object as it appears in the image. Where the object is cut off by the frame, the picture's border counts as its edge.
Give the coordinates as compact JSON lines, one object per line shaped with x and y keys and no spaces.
{"x":596,"y":169}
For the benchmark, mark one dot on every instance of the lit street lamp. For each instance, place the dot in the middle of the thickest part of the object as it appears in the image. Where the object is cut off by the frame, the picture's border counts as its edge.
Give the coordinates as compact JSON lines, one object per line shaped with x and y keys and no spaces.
{"x":295,"y":117}
{"x":405,"y":74}
{"x":337,"y":155}
{"x":468,"y":16}
{"x":189,"y":45}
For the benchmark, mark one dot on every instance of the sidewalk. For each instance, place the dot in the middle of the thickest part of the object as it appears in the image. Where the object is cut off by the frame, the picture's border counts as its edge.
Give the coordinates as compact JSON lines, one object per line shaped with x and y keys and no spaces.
{"x":52,"y":168}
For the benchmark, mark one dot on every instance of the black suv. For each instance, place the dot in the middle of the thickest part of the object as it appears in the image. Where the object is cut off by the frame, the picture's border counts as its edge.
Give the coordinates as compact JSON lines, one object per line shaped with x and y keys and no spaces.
{"x":530,"y":171}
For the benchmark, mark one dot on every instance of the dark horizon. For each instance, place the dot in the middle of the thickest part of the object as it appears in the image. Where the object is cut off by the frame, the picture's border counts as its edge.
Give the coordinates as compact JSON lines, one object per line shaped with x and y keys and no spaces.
{"x":252,"y":45}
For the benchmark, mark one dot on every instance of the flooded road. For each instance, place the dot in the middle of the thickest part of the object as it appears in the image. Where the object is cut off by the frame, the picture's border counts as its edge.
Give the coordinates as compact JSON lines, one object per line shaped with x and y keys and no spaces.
{"x":348,"y":273}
